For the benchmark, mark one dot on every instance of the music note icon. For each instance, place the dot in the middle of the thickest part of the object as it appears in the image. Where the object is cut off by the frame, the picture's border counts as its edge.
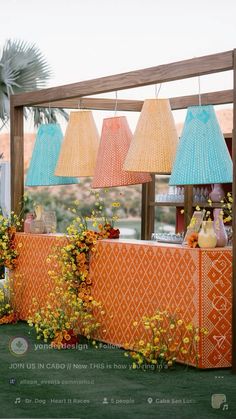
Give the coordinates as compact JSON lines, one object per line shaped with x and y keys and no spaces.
{"x":225,"y":407}
{"x":18,"y":400}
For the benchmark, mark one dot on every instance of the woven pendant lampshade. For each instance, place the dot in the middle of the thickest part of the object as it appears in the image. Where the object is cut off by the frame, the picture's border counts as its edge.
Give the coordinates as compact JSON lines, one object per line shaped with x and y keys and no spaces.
{"x":202,"y":156}
{"x":44,"y":158}
{"x":79,"y":149}
{"x":114,"y":144}
{"x":155,"y":139}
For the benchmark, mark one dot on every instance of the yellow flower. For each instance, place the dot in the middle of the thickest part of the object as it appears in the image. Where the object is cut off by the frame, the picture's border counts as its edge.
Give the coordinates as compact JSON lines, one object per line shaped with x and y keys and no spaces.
{"x":2,"y":295}
{"x":189,"y":327}
{"x":186,"y":340}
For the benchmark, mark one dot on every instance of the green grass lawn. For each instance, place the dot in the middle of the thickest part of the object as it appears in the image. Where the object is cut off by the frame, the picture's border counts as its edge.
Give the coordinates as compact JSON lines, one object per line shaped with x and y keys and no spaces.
{"x":99,"y":383}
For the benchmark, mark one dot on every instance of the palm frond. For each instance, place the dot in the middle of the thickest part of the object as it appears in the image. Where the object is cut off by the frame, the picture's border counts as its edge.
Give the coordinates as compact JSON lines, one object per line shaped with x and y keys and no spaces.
{"x":23,"y":68}
{"x":46,"y":115}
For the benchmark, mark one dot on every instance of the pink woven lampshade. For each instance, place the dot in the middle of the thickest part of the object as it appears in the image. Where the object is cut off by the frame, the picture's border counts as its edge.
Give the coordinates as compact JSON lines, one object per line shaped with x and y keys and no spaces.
{"x":79,"y":148}
{"x":114,"y":144}
{"x":155,"y":140}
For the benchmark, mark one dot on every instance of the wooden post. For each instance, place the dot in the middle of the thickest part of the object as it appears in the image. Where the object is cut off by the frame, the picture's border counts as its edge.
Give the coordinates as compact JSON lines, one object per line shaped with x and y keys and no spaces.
{"x":17,"y":158}
{"x":234,"y":224}
{"x":188,"y":205}
{"x":147,"y":211}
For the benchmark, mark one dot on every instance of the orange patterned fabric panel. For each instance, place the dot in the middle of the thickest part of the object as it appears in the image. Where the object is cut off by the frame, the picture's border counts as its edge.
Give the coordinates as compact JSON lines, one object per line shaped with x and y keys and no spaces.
{"x":216,"y":307}
{"x":132,"y":279}
{"x":31,"y":275}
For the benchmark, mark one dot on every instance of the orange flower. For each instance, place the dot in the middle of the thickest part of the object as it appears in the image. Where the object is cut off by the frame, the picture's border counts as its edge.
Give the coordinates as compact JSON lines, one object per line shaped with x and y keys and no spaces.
{"x":193,"y":240}
{"x":81,"y":257}
{"x":67,"y":336}
{"x":9,"y":318}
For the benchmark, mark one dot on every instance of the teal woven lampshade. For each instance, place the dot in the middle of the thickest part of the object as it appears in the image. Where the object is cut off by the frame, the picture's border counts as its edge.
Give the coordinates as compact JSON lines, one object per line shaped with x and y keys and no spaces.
{"x":44,"y":158}
{"x":202,"y":155}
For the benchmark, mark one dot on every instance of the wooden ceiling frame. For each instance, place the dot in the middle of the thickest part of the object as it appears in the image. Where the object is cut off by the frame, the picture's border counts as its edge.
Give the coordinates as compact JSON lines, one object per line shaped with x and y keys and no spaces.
{"x":75,"y":95}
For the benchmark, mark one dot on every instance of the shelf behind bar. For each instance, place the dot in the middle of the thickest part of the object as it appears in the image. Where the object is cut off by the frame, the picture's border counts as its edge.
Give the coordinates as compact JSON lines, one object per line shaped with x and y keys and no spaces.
{"x":181,"y":204}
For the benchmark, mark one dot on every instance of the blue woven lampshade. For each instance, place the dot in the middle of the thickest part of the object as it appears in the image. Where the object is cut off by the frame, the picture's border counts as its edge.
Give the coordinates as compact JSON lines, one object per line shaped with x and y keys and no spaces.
{"x":202,"y":155}
{"x":44,"y":158}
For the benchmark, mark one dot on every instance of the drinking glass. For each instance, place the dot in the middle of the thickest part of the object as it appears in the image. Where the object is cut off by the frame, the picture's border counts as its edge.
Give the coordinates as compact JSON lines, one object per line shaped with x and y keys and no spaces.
{"x":50,"y":221}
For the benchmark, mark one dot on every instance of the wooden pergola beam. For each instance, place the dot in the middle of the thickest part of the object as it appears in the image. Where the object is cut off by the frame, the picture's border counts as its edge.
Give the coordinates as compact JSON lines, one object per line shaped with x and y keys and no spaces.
{"x":163,"y":73}
{"x":234,"y":226}
{"x":213,"y":98}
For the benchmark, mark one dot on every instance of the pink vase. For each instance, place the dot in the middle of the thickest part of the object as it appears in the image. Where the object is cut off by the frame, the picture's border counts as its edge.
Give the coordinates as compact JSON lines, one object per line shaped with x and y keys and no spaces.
{"x":217,"y":193}
{"x":222,"y":238}
{"x":28,"y":222}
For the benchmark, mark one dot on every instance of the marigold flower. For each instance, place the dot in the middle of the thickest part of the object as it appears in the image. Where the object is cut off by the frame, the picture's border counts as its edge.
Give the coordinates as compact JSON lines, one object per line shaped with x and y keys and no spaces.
{"x":192,"y":240}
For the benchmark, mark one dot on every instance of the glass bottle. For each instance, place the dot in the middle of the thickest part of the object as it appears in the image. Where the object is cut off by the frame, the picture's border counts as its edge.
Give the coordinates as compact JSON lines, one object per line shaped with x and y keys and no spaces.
{"x":28,"y":220}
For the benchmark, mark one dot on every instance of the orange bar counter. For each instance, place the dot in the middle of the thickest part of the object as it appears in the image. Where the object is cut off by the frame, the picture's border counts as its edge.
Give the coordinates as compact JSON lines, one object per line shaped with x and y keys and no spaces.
{"x":135,"y":278}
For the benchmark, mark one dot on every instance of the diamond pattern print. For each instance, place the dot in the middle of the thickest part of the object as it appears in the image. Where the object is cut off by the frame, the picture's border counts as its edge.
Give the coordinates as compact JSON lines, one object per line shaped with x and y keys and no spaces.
{"x":132,"y":279}
{"x":31,"y":279}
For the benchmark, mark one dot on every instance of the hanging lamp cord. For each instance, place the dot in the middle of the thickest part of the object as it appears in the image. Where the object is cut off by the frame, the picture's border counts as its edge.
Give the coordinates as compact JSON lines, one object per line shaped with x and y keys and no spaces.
{"x":115,"y":110}
{"x":199,"y":92}
{"x":157,"y":90}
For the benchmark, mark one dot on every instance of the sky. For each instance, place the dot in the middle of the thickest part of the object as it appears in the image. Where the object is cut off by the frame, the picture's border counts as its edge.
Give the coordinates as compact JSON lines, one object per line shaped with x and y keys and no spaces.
{"x":85,"y":39}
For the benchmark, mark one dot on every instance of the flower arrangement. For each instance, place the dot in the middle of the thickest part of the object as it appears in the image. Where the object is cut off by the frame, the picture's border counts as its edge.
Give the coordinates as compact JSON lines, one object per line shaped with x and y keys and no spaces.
{"x":7,"y":313}
{"x":192,"y":240}
{"x":8,"y":251}
{"x":69,"y":311}
{"x":227,"y":204}
{"x":225,"y":214}
{"x":64,"y":317}
{"x":105,"y":221}
{"x":166,"y":338}
{"x":8,"y":259}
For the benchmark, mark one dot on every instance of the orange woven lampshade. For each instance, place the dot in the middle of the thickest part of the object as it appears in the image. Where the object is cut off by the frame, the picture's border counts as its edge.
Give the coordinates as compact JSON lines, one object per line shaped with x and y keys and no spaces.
{"x":79,"y":148}
{"x":114,"y":144}
{"x":155,"y":139}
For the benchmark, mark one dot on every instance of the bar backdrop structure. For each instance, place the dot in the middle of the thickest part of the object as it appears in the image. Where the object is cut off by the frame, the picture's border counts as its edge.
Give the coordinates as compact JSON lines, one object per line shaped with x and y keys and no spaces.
{"x":67,"y":96}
